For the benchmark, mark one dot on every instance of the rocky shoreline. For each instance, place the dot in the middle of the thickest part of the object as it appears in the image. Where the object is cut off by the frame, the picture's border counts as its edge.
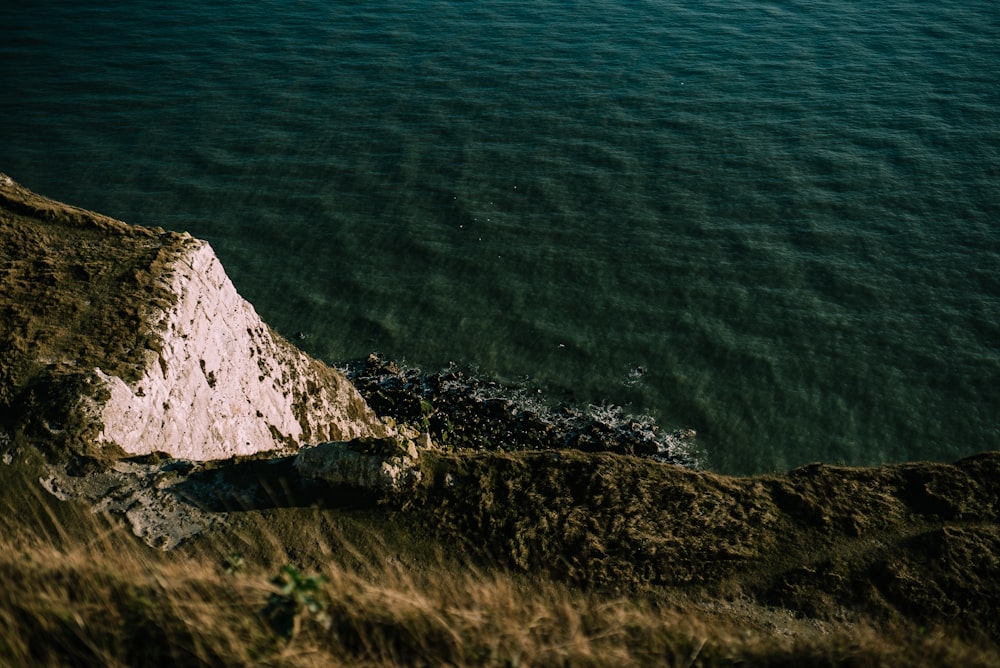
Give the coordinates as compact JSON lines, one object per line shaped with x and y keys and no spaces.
{"x":461,"y":411}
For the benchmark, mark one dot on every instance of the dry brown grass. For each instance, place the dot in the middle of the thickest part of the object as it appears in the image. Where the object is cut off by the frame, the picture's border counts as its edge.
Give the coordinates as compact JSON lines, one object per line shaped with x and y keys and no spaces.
{"x":79,"y":590}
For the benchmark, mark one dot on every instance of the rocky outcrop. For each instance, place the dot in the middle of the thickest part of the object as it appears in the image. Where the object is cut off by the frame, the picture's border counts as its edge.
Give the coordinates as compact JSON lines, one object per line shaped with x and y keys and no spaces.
{"x":116,"y":338}
{"x":378,"y":466}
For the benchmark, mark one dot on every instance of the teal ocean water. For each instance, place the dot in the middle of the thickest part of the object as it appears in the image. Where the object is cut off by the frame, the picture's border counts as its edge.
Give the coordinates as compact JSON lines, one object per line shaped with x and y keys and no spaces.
{"x":776,"y":223}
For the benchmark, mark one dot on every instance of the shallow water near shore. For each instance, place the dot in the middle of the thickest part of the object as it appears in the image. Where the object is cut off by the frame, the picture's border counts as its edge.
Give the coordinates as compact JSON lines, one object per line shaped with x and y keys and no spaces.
{"x":773,"y":223}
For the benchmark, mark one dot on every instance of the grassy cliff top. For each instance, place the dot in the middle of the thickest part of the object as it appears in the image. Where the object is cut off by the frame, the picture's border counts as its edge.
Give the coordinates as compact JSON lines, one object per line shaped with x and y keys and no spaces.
{"x":76,"y":290}
{"x":528,"y":558}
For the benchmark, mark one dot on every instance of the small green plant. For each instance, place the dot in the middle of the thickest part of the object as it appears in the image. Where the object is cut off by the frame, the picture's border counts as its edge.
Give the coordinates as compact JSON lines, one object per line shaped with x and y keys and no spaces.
{"x":234,"y":563}
{"x":298,"y":595}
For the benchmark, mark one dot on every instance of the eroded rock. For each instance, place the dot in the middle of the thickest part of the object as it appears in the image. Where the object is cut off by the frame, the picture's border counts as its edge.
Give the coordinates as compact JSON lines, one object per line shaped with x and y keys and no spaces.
{"x":381,"y":466}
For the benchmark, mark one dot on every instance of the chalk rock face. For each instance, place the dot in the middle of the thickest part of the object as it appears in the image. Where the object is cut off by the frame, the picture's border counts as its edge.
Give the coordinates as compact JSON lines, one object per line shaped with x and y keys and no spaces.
{"x":224,"y":384}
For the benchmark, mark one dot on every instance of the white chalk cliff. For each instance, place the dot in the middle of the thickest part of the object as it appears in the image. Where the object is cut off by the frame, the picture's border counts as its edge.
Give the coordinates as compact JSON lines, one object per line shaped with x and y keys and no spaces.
{"x":141,"y":335}
{"x":224,"y":384}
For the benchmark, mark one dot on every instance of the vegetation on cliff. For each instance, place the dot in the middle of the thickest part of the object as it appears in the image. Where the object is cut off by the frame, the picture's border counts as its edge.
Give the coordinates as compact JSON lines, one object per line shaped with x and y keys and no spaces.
{"x":76,"y":289}
{"x":529,"y":537}
{"x":526,"y":559}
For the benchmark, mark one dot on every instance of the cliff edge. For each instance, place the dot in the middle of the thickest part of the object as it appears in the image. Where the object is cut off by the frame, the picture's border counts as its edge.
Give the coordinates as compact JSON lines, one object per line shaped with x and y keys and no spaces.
{"x":121,"y":340}
{"x":118,"y":341}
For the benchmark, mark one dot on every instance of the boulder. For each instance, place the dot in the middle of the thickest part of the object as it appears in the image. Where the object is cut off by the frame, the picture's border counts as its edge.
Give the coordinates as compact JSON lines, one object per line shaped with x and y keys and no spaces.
{"x":380,"y":466}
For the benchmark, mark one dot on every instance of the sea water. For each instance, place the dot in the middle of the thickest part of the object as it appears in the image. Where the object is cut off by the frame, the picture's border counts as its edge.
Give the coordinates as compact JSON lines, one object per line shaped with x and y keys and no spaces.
{"x":775,"y":223}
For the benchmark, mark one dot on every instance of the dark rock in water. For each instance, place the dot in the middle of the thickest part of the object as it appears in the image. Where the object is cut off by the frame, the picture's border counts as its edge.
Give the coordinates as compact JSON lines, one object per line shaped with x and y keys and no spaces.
{"x":600,"y":437}
{"x":462,"y":412}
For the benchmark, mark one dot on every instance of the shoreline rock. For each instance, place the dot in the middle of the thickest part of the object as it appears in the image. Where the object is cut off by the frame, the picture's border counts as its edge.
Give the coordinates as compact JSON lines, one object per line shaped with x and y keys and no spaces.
{"x":462,"y":412}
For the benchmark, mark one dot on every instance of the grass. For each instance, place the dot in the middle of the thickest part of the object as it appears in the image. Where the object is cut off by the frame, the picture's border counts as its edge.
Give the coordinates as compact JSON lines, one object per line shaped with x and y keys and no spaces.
{"x":80,"y":590}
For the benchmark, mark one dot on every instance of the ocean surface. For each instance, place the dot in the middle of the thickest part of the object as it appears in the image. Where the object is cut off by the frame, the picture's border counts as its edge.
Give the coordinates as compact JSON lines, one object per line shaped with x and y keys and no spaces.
{"x":776,"y":223}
